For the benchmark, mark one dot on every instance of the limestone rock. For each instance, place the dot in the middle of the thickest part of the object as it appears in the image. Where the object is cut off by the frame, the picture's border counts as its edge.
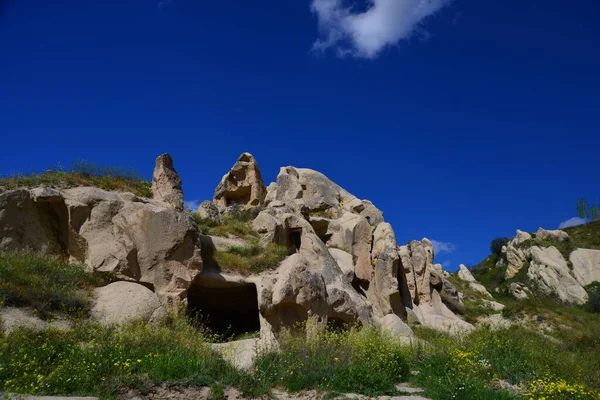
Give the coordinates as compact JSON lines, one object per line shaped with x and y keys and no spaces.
{"x":554,"y":236}
{"x":299,"y":292}
{"x":121,"y":302}
{"x":208,"y":210}
{"x":521,"y":237}
{"x":394,"y":325}
{"x":166,"y":183}
{"x":493,"y":305}
{"x":515,"y":258}
{"x":465,"y":275}
{"x":518,"y":291}
{"x":437,"y":316}
{"x":384,"y":291}
{"x":242,"y":185}
{"x":586,"y":265}
{"x":344,"y":260}
{"x":137,"y":239}
{"x":550,"y":273}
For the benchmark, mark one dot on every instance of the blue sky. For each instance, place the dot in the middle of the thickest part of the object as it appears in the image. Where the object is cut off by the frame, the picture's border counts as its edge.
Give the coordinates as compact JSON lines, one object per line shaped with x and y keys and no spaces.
{"x":462,"y":120}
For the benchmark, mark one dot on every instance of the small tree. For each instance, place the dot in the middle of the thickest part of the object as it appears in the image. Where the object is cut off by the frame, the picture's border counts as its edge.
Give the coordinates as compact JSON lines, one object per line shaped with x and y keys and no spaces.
{"x":582,"y":209}
{"x":497,"y":244}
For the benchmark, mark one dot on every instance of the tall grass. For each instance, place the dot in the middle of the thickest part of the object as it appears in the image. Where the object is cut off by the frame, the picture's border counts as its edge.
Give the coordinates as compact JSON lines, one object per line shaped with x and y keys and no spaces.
{"x":83,"y":173}
{"x":46,"y":283}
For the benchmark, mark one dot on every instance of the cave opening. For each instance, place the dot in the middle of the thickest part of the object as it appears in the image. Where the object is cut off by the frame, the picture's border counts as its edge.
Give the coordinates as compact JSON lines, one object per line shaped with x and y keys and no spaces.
{"x":227,"y":309}
{"x":295,"y":241}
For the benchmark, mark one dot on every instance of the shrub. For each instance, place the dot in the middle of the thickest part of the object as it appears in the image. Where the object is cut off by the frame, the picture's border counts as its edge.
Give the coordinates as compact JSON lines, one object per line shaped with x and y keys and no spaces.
{"x":205,"y":225}
{"x":356,"y":361}
{"x":497,"y":244}
{"x":46,"y":283}
{"x":83,"y":173}
{"x":92,"y":360}
{"x":593,"y":304}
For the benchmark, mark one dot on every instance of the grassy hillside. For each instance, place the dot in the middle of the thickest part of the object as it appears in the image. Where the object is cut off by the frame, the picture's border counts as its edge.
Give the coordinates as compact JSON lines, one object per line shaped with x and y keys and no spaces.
{"x":82,"y":173}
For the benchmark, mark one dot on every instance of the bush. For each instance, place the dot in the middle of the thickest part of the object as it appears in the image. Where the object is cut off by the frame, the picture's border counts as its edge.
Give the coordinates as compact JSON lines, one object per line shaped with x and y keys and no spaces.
{"x":356,"y":361}
{"x":92,"y":360}
{"x":83,"y":173}
{"x":46,"y":283}
{"x":593,"y":304}
{"x":497,"y":244}
{"x":464,"y":368}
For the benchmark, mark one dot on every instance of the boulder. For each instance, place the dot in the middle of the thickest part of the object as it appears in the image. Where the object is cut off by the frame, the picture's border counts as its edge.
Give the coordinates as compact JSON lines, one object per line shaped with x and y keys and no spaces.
{"x":465,"y":275}
{"x":121,"y":302}
{"x":553,"y":236}
{"x":394,"y":325}
{"x":299,"y":293}
{"x":493,"y":305}
{"x":548,"y":270}
{"x":138,"y":239}
{"x":521,"y":237}
{"x":166,"y":183}
{"x":586,"y":265}
{"x":242,"y":185}
{"x":209,"y":211}
{"x":519,"y":291}
{"x":515,"y":258}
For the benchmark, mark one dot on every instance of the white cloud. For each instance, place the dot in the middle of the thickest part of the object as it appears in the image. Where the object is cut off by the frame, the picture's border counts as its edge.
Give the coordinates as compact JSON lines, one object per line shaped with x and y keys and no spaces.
{"x":365,"y":34}
{"x":446,"y":263}
{"x":572,"y":222}
{"x":442,"y":247}
{"x":191,"y":205}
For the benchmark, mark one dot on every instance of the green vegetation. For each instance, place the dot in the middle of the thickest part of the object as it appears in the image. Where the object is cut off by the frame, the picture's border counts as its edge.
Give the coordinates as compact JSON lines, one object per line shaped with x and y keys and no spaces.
{"x":83,"y":173}
{"x":92,"y":360}
{"x":588,"y":212}
{"x":328,"y":213}
{"x":355,"y":361}
{"x":251,"y":259}
{"x":497,"y":244}
{"x":471,"y":367}
{"x":236,"y":223}
{"x":586,"y":235}
{"x":593,"y":304}
{"x":45,"y":283}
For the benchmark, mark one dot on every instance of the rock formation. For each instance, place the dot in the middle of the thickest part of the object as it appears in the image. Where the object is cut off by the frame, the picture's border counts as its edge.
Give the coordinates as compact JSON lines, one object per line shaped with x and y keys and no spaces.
{"x":166,"y":183}
{"x":465,"y":275}
{"x":547,"y":268}
{"x":242,"y":185}
{"x":344,"y":265}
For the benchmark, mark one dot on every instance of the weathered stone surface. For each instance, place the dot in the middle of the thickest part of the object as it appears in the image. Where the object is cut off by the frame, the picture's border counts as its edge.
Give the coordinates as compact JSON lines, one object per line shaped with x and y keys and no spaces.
{"x":515,"y":258}
{"x":554,"y":236}
{"x":166,"y":183}
{"x":12,"y":318}
{"x":437,"y":316}
{"x":208,"y":210}
{"x":344,"y":261}
{"x":521,"y":237}
{"x":586,"y":265}
{"x":243,"y":185}
{"x":299,"y":293}
{"x":120,"y":302}
{"x":138,"y":239}
{"x":518,"y":291}
{"x":550,"y":273}
{"x":384,"y":292}
{"x":394,"y":325}
{"x":465,"y":275}
{"x":493,"y":305}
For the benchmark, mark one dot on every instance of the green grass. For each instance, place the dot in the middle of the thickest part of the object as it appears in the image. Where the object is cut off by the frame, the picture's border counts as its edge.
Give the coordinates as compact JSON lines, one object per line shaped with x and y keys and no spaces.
{"x":466,"y":368}
{"x":234,"y":224}
{"x":586,"y":235}
{"x":251,"y":259}
{"x":45,"y":283}
{"x":355,"y":361}
{"x":94,"y":360}
{"x":83,"y":173}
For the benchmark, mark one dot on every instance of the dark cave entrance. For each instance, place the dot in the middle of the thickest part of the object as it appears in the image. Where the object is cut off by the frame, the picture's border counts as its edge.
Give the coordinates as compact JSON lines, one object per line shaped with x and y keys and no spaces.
{"x":294,"y":241}
{"x":227,"y":309}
